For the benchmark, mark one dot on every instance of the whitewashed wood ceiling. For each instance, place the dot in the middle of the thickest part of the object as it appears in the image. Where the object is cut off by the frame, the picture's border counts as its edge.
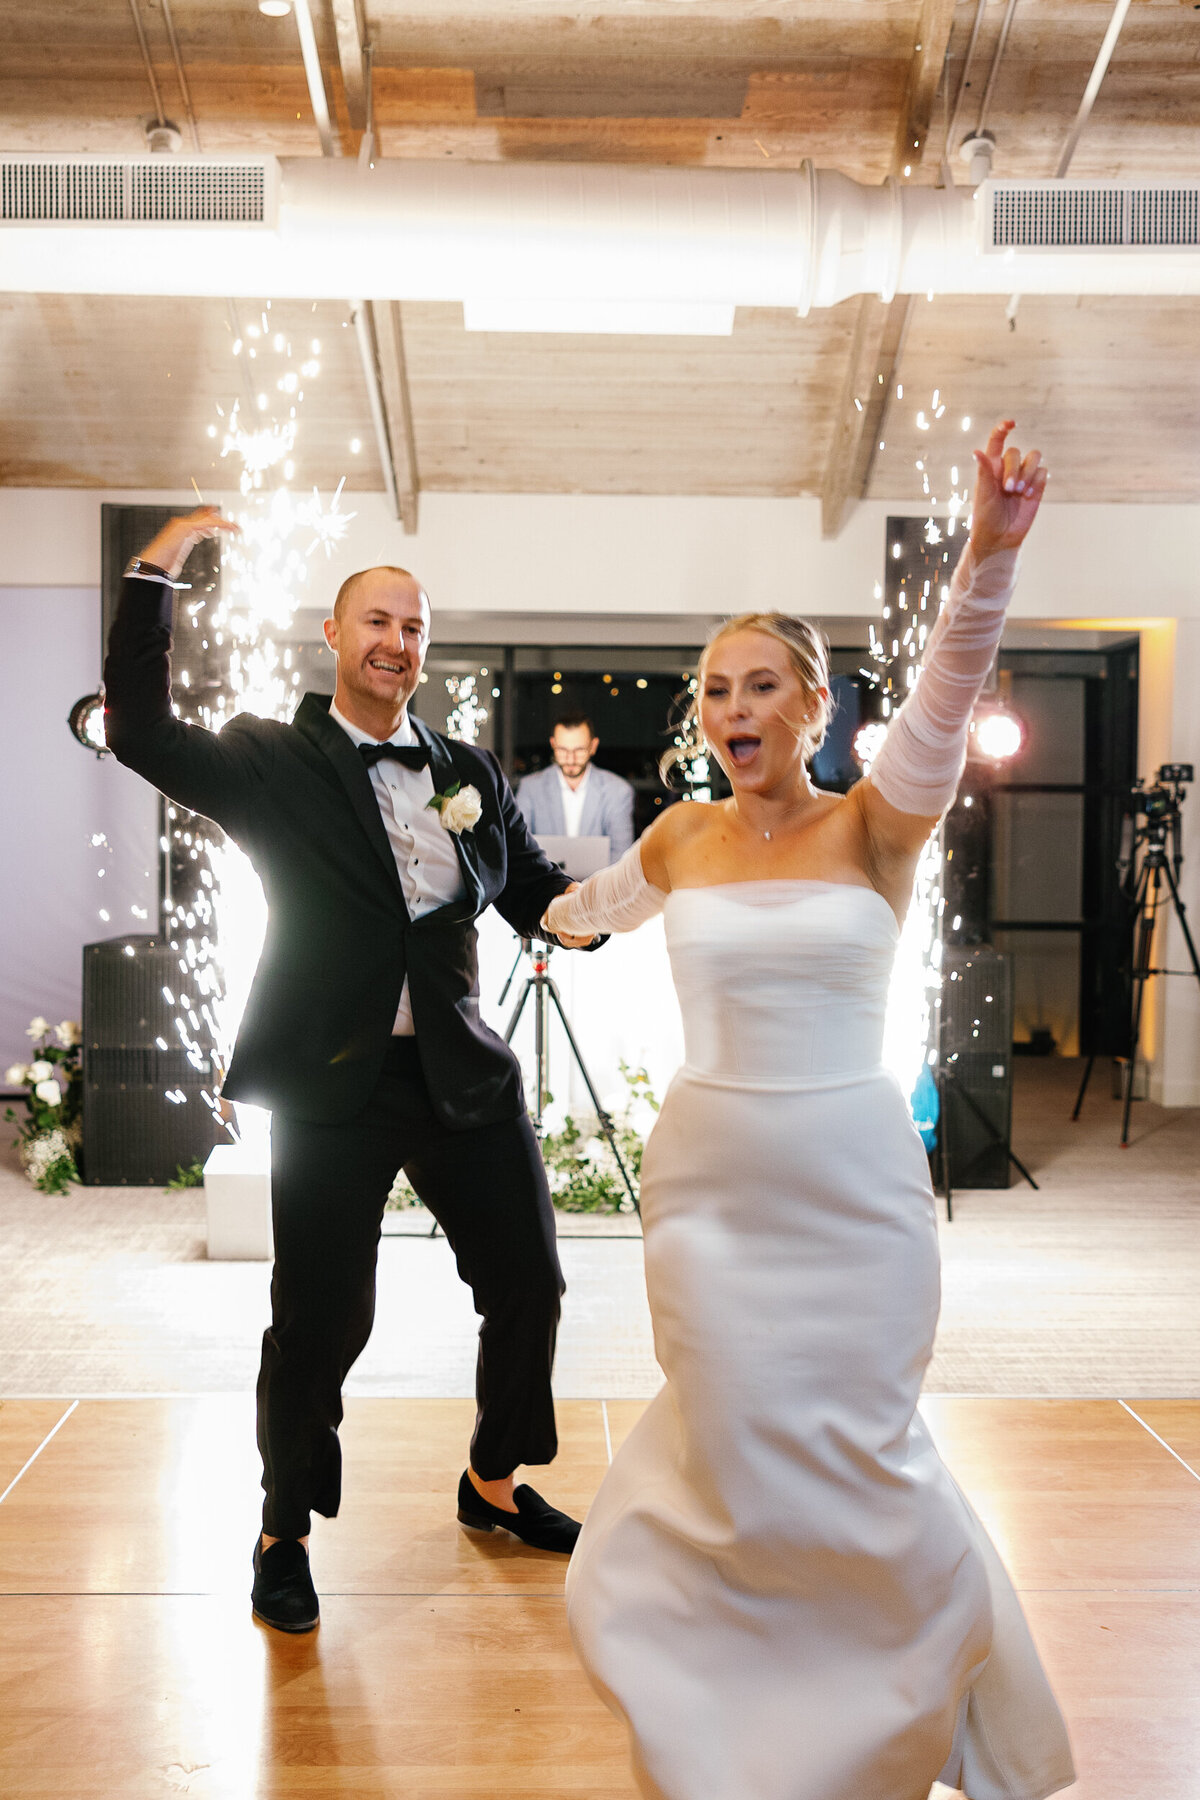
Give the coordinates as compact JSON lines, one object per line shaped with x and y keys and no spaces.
{"x":120,"y":393}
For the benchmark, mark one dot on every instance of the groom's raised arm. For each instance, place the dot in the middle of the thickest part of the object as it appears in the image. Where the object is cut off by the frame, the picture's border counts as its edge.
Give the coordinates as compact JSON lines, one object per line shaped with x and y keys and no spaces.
{"x":209,"y":774}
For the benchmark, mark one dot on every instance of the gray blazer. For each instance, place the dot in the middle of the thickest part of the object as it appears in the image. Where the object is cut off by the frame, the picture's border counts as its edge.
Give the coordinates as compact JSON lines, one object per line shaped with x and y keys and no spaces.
{"x":607,"y":807}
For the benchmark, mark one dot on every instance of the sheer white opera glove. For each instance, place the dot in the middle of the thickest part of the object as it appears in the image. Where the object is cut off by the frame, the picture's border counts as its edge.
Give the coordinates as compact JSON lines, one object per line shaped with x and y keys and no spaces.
{"x":919,"y":766}
{"x":618,"y":898}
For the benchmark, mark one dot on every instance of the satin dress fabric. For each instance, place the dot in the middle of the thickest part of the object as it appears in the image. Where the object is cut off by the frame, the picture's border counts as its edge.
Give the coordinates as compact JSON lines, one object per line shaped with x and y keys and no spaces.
{"x":779,"y":1586}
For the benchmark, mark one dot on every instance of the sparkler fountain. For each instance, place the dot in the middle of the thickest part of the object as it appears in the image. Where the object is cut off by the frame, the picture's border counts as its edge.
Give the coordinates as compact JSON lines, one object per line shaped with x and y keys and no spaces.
{"x":230,"y":662}
{"x":917,"y":588}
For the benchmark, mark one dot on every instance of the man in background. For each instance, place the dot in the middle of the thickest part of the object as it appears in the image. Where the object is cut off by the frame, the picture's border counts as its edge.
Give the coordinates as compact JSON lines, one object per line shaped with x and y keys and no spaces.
{"x":573,"y":798}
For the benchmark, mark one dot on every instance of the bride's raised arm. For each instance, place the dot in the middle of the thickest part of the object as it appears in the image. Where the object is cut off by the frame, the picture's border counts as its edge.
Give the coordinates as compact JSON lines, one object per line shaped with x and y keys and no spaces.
{"x":915,"y":776}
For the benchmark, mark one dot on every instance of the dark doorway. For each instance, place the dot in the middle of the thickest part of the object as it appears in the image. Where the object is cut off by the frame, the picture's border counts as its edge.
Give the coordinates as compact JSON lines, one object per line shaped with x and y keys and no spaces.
{"x":1032,"y":848}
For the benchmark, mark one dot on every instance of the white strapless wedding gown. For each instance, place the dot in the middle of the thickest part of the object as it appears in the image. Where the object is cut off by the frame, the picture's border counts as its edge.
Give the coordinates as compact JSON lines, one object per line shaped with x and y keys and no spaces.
{"x":779,"y":1586}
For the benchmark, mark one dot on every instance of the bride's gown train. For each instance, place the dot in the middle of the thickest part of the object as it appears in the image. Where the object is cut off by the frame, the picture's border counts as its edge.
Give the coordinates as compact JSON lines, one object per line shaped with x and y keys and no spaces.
{"x":779,"y":1585}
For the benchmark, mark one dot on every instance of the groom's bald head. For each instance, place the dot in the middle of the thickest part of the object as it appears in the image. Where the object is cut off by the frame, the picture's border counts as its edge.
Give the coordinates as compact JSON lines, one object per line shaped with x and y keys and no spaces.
{"x":385,"y":580}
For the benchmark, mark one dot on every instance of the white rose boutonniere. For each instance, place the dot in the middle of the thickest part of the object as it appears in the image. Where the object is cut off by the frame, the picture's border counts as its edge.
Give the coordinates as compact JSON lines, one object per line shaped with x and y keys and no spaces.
{"x":459,"y":808}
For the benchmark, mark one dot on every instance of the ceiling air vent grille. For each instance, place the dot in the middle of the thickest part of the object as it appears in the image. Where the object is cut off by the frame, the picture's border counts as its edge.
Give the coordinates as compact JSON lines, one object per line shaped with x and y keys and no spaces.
{"x":1057,"y":215}
{"x":152,"y":190}
{"x":33,"y":191}
{"x":1165,"y":216}
{"x":196,"y":193}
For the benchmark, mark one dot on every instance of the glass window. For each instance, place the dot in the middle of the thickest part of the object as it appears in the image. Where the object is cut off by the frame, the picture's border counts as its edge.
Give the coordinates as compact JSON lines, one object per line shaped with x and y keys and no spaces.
{"x":1037,"y":850}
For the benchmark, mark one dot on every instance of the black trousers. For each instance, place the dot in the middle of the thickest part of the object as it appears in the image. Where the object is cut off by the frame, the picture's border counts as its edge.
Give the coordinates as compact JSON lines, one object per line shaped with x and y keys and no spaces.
{"x":487,"y":1190}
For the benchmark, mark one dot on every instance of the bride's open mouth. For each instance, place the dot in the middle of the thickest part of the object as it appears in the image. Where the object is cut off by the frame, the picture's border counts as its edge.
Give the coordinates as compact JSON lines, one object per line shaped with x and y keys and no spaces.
{"x":742,"y":750}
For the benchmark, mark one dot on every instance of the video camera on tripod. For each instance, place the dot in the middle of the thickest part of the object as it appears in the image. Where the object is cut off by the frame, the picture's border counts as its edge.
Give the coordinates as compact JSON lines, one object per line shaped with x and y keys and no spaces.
{"x":1160,"y":804}
{"x":1150,"y":883}
{"x":1163,"y":800}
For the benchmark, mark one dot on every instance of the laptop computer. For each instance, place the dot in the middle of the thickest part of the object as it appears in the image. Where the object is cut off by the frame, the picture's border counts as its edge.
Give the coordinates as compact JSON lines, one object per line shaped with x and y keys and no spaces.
{"x":578,"y":857}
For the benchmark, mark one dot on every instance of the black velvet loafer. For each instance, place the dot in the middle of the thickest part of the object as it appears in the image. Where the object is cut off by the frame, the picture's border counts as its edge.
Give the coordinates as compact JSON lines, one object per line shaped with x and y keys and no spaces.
{"x":537,"y":1523}
{"x":283,"y":1594}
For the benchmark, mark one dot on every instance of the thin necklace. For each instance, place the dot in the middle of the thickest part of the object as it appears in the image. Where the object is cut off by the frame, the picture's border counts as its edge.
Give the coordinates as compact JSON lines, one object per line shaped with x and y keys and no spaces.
{"x":769,"y":835}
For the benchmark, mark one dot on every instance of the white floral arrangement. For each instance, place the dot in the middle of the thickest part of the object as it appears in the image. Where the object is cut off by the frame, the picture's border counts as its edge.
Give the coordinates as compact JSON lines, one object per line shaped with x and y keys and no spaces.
{"x":459,"y":808}
{"x":48,"y":1138}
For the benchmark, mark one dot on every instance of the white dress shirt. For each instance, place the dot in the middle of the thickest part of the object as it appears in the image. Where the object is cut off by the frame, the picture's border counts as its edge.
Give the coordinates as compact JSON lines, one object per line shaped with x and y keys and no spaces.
{"x":572,"y":801}
{"x":426,"y":860}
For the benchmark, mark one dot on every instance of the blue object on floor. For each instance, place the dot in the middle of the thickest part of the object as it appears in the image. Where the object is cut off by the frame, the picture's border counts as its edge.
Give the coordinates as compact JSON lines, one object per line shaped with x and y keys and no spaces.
{"x":925,"y":1106}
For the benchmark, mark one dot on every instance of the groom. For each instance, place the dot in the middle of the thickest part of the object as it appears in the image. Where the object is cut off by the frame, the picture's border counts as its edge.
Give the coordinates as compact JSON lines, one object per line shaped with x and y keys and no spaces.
{"x":379,"y":843}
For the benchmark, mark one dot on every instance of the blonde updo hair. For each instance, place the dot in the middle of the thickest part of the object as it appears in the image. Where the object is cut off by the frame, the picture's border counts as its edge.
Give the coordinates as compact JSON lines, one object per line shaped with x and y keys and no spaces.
{"x":808,"y":653}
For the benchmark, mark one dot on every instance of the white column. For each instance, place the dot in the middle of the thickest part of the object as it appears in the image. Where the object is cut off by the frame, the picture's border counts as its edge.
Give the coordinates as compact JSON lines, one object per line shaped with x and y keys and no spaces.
{"x":1175,"y":1075}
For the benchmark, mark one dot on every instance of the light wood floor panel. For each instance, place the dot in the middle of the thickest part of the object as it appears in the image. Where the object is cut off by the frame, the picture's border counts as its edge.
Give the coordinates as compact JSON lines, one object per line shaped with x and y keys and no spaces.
{"x":1126,"y":1669}
{"x":1177,"y":1422}
{"x":138,"y":1496}
{"x":1076,"y":1494}
{"x":130,"y":1667}
{"x":162,"y":1496}
{"x":24,"y":1424}
{"x":396,"y":1531}
{"x":388,"y":1698}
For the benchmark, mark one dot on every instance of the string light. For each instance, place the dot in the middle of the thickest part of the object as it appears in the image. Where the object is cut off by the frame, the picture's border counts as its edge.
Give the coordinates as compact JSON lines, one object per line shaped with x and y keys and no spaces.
{"x":466,"y":713}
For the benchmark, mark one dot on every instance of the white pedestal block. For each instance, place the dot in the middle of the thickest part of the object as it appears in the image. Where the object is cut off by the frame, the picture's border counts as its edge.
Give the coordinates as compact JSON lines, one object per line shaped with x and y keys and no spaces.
{"x":237,"y":1198}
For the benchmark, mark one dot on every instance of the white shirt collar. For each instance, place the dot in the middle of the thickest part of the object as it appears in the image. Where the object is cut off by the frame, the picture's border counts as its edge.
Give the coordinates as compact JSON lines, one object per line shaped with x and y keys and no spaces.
{"x":406,"y":735}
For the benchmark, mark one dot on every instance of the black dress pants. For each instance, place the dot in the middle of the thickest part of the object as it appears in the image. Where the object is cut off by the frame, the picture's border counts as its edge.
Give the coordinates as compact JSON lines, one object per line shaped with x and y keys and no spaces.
{"x":487,"y":1190}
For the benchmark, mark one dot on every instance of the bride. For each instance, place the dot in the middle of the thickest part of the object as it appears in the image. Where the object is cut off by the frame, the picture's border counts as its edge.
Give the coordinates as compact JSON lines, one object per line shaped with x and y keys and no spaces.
{"x":779,"y":1586}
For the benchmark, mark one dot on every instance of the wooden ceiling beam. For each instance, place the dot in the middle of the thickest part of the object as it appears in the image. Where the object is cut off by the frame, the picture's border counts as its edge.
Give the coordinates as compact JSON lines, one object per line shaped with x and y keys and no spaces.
{"x":881,"y":326}
{"x":868,"y":385}
{"x":924,"y":79}
{"x":350,"y":25}
{"x":393,"y":373}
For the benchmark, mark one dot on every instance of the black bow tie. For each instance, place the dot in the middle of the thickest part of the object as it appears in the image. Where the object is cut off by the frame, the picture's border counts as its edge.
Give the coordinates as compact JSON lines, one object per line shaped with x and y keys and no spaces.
{"x":413,"y":756}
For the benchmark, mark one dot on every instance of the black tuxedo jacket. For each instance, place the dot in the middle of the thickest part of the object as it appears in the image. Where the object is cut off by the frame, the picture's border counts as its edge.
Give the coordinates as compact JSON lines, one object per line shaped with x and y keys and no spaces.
{"x":299,"y":801}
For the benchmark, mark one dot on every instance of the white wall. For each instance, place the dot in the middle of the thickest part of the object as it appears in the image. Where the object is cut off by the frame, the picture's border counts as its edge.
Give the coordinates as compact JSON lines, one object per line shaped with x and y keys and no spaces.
{"x":1133,"y":567}
{"x":688,"y":554}
{"x":55,"y":796}
{"x":1176,"y":1075}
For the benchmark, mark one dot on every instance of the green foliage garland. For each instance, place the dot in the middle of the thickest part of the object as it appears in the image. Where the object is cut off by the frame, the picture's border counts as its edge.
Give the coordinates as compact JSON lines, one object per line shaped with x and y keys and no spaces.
{"x":580,"y":1166}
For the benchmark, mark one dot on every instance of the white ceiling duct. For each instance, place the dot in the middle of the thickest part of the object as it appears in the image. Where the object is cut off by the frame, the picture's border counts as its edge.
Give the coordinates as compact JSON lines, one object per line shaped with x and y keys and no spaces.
{"x":605,"y":243}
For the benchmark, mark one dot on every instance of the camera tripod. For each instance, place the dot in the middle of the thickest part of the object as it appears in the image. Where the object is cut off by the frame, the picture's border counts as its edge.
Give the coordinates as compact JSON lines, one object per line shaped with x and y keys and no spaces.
{"x":1146,"y":899}
{"x":540,"y":984}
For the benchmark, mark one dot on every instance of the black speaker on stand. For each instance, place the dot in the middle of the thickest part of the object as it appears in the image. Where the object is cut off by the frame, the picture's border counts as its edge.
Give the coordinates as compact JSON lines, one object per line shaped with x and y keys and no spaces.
{"x":975,"y":1071}
{"x":144,"y":1110}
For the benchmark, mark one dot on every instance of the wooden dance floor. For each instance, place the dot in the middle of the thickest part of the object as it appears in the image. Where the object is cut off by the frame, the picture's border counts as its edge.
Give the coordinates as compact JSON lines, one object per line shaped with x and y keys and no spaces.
{"x":130,"y":1667}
